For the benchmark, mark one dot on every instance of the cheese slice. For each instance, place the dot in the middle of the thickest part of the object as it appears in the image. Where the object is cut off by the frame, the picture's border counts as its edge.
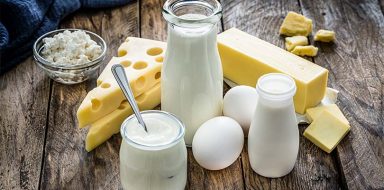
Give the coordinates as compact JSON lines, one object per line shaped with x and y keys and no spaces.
{"x":313,"y":113}
{"x":245,"y":58}
{"x":142,"y":59}
{"x":326,"y":131}
{"x":102,"y":129}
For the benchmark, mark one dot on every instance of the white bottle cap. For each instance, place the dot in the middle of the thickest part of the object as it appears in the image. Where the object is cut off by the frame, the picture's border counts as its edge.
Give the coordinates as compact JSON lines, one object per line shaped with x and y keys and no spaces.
{"x":276,"y":86}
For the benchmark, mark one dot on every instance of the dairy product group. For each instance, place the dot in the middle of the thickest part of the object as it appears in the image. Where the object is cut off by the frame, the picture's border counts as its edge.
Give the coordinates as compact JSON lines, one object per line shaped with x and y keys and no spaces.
{"x":191,"y":84}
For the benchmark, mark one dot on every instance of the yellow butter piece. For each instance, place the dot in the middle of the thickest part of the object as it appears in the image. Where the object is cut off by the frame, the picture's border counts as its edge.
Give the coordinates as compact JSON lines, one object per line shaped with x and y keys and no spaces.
{"x":245,"y":58}
{"x":313,"y":113}
{"x":296,"y":24}
{"x":325,"y":36}
{"x":103,"y":129}
{"x":142,"y":59}
{"x":326,"y":131}
{"x":292,"y":42}
{"x":305,"y":50}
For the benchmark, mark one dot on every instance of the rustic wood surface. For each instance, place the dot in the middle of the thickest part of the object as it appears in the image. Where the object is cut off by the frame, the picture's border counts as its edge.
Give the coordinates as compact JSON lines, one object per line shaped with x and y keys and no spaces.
{"x":42,"y":148}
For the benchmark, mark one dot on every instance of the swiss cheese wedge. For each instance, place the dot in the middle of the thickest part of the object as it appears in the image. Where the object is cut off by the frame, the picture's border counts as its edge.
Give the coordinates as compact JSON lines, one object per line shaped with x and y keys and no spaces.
{"x":102,"y":129}
{"x":142,"y":59}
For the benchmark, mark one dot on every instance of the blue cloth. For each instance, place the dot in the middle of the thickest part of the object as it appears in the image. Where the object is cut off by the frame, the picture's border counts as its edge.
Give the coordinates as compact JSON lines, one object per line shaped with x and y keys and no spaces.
{"x":23,"y":21}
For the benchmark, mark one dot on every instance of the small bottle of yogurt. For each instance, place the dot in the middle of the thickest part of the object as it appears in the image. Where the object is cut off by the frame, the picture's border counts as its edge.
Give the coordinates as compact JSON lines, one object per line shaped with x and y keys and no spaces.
{"x":156,"y":159}
{"x":273,"y":139}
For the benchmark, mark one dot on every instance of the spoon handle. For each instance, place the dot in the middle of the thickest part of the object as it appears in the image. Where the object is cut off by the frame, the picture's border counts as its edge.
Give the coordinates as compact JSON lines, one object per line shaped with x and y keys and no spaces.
{"x":121,"y":78}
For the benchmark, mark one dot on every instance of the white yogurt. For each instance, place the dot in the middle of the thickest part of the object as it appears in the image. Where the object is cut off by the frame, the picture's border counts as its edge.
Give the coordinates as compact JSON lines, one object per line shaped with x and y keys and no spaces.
{"x":153,"y":160}
{"x":192,"y":78}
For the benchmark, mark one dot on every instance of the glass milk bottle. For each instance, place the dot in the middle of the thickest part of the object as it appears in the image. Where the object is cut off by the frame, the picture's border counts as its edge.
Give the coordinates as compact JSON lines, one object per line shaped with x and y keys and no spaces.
{"x":153,"y":160}
{"x":273,"y":139}
{"x":192,"y":76}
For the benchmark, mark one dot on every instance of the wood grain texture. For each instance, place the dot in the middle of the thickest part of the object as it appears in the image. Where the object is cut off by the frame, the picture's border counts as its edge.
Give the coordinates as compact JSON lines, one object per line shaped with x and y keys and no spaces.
{"x":67,"y":165}
{"x":24,"y":94}
{"x":314,"y":169}
{"x":153,"y":26}
{"x":356,"y":64}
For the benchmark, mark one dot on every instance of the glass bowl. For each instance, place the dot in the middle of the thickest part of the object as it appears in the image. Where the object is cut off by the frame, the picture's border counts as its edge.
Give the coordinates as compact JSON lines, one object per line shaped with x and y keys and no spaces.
{"x":68,"y":73}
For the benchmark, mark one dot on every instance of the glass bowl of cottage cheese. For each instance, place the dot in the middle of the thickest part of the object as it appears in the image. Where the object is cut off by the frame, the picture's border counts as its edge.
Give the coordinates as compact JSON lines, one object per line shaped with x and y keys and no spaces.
{"x":69,"y":56}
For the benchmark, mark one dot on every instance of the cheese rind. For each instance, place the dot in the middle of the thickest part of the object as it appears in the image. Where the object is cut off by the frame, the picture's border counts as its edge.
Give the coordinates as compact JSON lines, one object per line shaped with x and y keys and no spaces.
{"x":102,"y":129}
{"x":305,"y":50}
{"x":143,"y":71}
{"x":325,"y":36}
{"x":295,"y":24}
{"x":292,"y":42}
{"x":326,"y":131}
{"x":245,"y":58}
{"x":313,"y":113}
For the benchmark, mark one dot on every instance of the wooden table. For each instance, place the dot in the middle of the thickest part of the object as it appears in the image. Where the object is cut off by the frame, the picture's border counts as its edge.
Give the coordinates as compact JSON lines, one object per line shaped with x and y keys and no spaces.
{"x":42,"y":148}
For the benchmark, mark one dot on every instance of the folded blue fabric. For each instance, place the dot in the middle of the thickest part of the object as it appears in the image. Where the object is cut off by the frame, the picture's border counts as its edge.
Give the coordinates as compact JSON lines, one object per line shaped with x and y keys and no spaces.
{"x":23,"y":21}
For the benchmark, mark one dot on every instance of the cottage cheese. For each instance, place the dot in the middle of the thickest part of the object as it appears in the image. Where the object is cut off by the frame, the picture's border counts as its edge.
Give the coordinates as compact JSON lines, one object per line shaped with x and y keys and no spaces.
{"x":72,"y":48}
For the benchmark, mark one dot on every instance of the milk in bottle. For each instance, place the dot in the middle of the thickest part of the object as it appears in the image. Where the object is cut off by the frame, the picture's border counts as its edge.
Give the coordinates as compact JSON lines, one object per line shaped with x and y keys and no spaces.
{"x":273,"y":139}
{"x":192,"y":78}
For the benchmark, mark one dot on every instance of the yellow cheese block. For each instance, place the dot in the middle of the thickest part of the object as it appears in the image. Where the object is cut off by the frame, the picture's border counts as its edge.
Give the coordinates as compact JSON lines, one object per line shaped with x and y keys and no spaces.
{"x":142,"y":59}
{"x":292,"y":42}
{"x":101,"y":130}
{"x":326,"y":131}
{"x":296,"y":24}
{"x":245,"y":58}
{"x":313,"y":113}
{"x":305,"y":50}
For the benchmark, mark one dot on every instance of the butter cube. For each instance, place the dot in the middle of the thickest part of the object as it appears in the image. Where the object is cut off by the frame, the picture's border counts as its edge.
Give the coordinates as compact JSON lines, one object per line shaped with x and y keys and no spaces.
{"x":296,"y":24}
{"x":292,"y":42}
{"x":326,"y":131}
{"x":313,"y":113}
{"x":245,"y":58}
{"x":325,"y":36}
{"x":305,"y":50}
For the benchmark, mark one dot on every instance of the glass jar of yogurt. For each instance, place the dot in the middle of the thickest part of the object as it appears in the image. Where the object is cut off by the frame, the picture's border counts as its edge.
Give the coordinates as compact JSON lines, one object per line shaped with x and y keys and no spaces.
{"x":156,"y":159}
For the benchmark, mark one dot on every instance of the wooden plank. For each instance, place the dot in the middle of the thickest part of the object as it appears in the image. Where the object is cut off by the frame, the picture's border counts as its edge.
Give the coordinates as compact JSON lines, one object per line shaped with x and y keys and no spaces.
{"x":67,"y":164}
{"x":153,"y":26}
{"x":356,"y":64}
{"x":24,"y":96}
{"x":314,"y":169}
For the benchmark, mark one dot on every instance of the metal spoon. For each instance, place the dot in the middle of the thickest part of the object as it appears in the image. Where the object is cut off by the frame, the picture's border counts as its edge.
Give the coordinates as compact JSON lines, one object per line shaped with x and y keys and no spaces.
{"x":121,"y":78}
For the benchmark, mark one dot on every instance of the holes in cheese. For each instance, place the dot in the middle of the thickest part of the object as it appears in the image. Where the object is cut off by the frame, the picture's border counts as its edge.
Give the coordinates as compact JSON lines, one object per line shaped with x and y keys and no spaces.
{"x":154,"y":51}
{"x":126,"y":63}
{"x":122,"y":53}
{"x":122,"y":106}
{"x":159,"y":59}
{"x":141,"y":74}
{"x":95,"y":104}
{"x":140,"y":82}
{"x":140,"y":65}
{"x":157,"y":75}
{"x":105,"y":85}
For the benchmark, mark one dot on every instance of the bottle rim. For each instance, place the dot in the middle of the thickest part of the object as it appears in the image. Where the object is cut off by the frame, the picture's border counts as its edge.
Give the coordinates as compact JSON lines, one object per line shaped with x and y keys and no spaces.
{"x":142,"y":146}
{"x":170,"y":6}
{"x":283,"y":94}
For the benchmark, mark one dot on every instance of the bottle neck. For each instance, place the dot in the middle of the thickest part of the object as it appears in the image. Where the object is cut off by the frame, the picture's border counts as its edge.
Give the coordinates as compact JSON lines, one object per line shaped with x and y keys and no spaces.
{"x":276,"y":89}
{"x":192,"y":14}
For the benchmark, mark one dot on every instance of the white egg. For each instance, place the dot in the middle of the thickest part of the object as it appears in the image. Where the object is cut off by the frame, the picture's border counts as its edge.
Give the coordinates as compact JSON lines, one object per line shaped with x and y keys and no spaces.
{"x":239,"y":104}
{"x":218,"y":143}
